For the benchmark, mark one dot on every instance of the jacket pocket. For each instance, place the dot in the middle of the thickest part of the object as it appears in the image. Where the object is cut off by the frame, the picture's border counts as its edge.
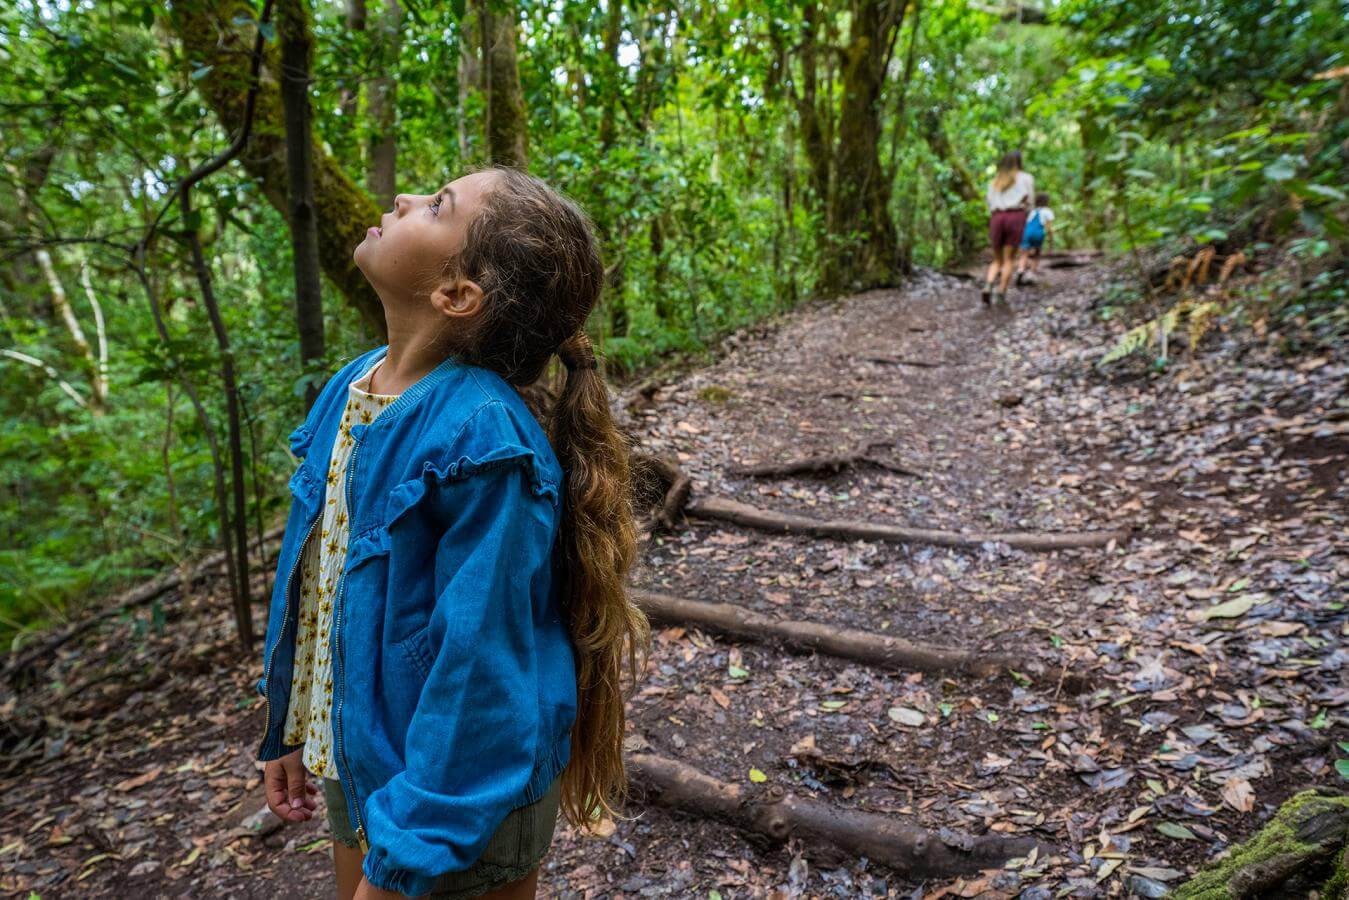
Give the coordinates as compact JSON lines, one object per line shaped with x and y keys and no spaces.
{"x":418,"y":651}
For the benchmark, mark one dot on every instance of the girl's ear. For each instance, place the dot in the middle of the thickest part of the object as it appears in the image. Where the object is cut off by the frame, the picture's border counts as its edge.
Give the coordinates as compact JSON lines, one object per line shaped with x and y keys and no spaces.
{"x":459,"y":298}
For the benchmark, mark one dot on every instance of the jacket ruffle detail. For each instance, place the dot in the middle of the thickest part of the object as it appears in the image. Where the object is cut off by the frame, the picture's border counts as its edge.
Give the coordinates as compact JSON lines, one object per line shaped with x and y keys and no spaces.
{"x":408,"y":494}
{"x":300,"y":439}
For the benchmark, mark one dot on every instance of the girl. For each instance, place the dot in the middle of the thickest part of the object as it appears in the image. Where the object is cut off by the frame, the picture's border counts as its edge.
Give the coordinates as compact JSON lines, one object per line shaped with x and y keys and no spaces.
{"x":1039,"y":231}
{"x":1009,"y":195}
{"x":449,"y":659}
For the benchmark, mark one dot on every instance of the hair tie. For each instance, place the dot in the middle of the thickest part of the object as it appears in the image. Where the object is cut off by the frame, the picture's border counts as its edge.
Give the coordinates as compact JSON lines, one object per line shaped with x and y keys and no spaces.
{"x":576,"y":352}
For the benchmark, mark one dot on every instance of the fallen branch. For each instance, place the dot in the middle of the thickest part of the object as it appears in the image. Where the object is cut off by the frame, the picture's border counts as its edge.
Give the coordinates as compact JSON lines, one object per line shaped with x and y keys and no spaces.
{"x":806,"y":637}
{"x":778,"y":815}
{"x":896,"y":361}
{"x":790,"y":523}
{"x":829,"y":464}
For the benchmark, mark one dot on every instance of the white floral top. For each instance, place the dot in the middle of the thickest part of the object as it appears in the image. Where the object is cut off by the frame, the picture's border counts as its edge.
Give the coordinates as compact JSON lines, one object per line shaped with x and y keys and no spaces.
{"x":308,"y":720}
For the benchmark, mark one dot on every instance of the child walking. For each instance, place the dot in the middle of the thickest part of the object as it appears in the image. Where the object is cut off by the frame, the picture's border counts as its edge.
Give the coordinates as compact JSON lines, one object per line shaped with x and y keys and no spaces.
{"x":1009,"y":195}
{"x":1039,"y":231}
{"x":450,"y":626}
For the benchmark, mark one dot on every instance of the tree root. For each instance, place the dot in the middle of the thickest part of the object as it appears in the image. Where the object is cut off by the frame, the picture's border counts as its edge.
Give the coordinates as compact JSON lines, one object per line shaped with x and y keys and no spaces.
{"x":777,"y":815}
{"x":790,"y":523}
{"x":806,"y":637}
{"x":896,"y":361}
{"x":829,"y":464}
{"x":661,"y":487}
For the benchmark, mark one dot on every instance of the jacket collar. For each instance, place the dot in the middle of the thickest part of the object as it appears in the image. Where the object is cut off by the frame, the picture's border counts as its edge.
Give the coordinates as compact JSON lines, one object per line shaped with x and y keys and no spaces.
{"x":418,"y":389}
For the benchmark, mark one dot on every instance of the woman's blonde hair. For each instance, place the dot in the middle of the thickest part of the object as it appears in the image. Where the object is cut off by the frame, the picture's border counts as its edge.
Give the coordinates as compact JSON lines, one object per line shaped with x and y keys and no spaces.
{"x":1008,"y":166}
{"x":534,"y":253}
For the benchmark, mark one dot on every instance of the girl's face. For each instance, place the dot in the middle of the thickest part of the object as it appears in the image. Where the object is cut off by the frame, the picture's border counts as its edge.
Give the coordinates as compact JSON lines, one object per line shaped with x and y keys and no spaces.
{"x":404,"y":257}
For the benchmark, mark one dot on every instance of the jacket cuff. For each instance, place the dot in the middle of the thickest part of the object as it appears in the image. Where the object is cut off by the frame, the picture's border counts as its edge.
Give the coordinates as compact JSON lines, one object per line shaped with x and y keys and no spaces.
{"x":261,"y":687}
{"x":385,"y":877}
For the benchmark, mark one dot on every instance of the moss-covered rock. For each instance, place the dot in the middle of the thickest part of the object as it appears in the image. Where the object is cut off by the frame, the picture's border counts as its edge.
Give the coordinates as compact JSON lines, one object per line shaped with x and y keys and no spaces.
{"x":1300,"y":853}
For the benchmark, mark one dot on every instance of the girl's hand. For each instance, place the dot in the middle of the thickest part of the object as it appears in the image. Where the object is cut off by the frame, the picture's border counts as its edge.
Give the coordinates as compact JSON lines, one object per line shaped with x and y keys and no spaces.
{"x":290,"y":794}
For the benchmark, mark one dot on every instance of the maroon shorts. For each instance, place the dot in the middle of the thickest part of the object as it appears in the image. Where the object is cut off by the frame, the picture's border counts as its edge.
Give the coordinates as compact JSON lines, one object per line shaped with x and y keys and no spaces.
{"x":1005,"y":227}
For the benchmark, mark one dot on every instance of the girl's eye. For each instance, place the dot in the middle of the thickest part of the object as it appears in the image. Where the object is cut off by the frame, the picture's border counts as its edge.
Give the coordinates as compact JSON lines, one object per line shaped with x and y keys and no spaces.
{"x":435,"y":205}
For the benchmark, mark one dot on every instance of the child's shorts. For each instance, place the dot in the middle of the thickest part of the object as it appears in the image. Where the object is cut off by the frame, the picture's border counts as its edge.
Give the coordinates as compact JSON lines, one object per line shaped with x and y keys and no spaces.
{"x":513,"y":851}
{"x":1032,"y":244}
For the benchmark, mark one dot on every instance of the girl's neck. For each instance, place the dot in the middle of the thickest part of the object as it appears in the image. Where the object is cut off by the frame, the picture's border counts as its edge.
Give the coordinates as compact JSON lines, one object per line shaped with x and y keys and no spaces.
{"x":411,"y":356}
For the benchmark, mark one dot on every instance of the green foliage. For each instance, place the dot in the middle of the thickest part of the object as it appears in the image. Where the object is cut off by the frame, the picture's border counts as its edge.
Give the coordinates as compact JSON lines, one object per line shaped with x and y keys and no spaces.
{"x":1188,"y":121}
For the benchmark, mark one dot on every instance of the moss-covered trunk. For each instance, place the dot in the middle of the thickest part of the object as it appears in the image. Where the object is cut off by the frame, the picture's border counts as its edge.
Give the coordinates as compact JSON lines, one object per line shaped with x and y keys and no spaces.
{"x":344,"y":211}
{"x":297,"y":57}
{"x":864,"y":252}
{"x":507,"y":127}
{"x":1300,"y":853}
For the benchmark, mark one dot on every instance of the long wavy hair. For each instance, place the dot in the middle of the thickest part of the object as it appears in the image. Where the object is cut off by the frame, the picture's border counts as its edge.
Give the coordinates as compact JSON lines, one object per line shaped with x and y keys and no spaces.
{"x":1008,"y":166}
{"x":534,"y":253}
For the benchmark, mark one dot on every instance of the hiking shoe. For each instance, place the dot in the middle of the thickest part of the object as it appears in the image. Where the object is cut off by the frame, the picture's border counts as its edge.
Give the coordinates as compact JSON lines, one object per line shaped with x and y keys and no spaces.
{"x":985,"y":294}
{"x":1020,"y":278}
{"x":1000,"y":298}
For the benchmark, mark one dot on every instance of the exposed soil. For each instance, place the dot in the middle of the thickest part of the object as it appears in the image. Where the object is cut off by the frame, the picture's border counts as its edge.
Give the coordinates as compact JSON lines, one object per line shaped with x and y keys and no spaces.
{"x":1214,"y":640}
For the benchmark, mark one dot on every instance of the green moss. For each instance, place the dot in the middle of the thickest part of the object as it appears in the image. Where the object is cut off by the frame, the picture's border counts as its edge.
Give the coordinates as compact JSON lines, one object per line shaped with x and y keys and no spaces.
{"x":715,"y":393}
{"x":1297,"y":833}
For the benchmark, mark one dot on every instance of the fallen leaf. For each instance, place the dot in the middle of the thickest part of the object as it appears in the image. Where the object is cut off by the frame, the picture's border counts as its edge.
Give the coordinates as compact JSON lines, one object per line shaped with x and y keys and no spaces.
{"x":1176,"y":830}
{"x":1237,"y":793}
{"x":131,"y":784}
{"x":905,"y":715}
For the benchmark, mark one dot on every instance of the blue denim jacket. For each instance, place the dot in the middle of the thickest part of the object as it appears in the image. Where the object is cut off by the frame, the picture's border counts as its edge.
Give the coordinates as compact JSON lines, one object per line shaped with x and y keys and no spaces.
{"x":454,"y":678}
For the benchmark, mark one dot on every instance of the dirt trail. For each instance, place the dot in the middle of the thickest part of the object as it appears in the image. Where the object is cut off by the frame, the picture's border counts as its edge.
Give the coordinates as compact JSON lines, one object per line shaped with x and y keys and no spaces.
{"x":1202,"y":716}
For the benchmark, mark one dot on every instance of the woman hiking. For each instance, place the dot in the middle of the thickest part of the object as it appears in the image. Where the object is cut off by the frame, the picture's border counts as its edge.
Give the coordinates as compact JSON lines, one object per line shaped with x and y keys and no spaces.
{"x":1009,"y":198}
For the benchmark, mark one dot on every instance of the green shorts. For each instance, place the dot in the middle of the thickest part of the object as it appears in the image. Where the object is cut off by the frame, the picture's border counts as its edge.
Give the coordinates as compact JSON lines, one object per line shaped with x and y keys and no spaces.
{"x":513,"y":851}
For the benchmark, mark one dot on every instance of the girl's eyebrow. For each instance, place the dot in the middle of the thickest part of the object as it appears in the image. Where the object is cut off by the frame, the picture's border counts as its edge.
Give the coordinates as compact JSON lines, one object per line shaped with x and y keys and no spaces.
{"x":449,"y":191}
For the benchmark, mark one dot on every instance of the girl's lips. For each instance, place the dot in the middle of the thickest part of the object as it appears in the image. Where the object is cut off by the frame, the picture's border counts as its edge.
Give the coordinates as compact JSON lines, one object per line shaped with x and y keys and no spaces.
{"x":372,"y":231}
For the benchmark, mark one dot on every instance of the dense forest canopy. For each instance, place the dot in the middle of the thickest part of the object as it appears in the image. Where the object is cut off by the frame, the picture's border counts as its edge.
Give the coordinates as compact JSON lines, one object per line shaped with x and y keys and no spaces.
{"x":737,"y":158}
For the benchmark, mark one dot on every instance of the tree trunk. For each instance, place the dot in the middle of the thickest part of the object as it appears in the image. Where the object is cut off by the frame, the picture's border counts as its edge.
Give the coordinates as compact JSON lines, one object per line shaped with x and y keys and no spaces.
{"x":964,"y":236}
{"x":611,"y":76}
{"x":818,"y":150}
{"x":345,"y":211}
{"x":382,"y":105}
{"x":297,"y":55}
{"x":351,"y":94}
{"x":864,"y":252}
{"x":470,"y":78}
{"x":1091,"y":134}
{"x":507,"y":127}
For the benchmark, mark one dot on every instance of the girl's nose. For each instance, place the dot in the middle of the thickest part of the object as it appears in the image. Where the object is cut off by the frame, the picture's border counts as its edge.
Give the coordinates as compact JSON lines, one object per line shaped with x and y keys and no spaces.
{"x":401,"y":202}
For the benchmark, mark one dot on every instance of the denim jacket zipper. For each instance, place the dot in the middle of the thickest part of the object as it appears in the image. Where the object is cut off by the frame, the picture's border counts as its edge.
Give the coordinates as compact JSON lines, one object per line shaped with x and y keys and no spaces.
{"x":349,"y":784}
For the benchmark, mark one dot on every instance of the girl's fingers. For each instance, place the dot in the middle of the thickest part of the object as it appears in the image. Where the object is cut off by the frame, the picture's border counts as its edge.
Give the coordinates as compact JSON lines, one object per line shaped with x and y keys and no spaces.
{"x":277,"y":799}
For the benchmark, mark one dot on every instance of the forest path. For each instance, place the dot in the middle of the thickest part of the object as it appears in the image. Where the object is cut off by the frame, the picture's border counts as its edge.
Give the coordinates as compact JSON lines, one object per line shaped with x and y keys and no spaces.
{"x":1231,"y":474}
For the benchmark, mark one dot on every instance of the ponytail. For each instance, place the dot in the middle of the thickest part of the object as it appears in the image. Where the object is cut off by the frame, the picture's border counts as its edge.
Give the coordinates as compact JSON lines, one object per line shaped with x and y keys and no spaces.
{"x":534,"y":253}
{"x":597,"y":546}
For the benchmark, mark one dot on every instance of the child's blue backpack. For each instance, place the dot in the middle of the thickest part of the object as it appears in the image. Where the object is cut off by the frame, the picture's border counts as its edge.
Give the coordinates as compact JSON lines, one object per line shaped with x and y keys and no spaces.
{"x":1035,"y":229}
